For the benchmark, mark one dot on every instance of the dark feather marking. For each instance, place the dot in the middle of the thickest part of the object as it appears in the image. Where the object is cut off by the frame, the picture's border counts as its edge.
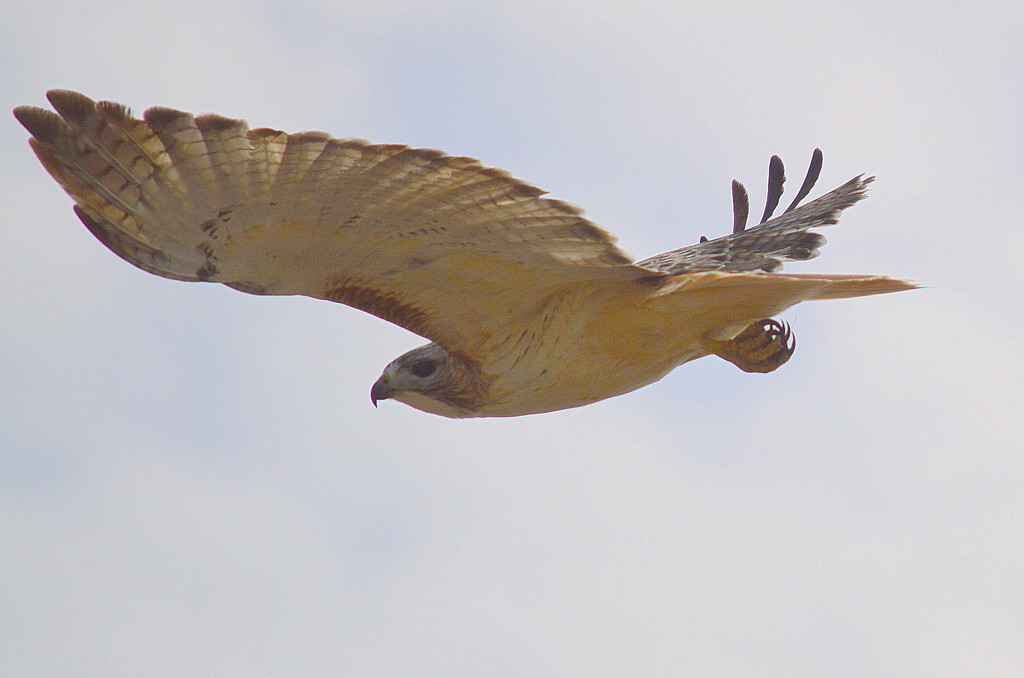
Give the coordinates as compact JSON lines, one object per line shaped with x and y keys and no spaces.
{"x":304,"y":137}
{"x":210,"y":122}
{"x":46,"y":126}
{"x":813,"y":170}
{"x":264,"y":132}
{"x":386,"y":305}
{"x":468,"y":387}
{"x":159,"y":117}
{"x":740,"y":207}
{"x":212,"y":225}
{"x":588,"y":231}
{"x":71,"y":105}
{"x":419,"y":231}
{"x":206,"y":272}
{"x":526,"y":349}
{"x":776,"y":179}
{"x":206,"y":249}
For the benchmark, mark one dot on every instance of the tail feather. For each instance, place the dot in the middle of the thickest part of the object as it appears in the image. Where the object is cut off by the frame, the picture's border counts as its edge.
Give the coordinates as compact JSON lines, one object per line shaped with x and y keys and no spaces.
{"x":725,"y":303}
{"x":850,"y":286}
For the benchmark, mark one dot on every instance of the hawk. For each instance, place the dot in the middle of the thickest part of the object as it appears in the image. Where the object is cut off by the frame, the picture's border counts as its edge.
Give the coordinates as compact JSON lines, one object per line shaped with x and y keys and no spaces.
{"x":529,"y":306}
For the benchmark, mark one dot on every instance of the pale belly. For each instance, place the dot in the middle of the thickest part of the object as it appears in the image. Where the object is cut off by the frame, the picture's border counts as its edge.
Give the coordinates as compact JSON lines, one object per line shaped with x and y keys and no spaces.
{"x":599,"y":348}
{"x":587,"y":370}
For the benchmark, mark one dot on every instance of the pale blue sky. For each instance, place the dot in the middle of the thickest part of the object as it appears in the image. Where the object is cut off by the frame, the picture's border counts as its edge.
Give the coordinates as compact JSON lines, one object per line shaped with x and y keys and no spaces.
{"x":193,"y":481}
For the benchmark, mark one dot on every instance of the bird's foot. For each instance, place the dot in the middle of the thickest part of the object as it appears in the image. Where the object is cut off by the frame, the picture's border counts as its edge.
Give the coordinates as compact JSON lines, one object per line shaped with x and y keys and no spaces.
{"x":764,"y":346}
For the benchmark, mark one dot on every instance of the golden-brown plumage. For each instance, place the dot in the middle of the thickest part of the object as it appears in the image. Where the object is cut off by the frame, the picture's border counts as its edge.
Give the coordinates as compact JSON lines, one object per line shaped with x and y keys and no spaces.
{"x":531,"y":307}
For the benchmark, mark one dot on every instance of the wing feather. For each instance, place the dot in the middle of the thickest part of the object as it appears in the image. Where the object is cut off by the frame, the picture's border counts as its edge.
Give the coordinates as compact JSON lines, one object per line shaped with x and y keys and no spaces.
{"x":787,"y":237}
{"x":418,"y":237}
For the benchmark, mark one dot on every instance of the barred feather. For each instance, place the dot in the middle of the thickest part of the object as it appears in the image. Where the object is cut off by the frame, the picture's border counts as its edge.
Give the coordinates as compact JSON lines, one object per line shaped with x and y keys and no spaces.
{"x":765,"y":247}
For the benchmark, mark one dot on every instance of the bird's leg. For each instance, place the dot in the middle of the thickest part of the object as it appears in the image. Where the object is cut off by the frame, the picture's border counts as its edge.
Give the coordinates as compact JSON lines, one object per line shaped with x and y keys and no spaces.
{"x":764,"y":346}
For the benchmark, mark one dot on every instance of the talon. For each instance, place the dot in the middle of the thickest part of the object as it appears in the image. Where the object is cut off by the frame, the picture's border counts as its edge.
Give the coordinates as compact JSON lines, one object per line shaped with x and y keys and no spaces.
{"x":764,"y":346}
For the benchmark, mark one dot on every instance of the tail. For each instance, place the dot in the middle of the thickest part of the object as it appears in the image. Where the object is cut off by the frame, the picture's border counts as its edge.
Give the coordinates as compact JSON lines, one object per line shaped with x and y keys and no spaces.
{"x":849,"y":286}
{"x":719,"y":305}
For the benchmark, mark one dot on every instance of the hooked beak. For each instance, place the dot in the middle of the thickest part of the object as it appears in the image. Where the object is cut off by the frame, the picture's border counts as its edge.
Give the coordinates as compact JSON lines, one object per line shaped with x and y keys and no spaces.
{"x":381,"y":390}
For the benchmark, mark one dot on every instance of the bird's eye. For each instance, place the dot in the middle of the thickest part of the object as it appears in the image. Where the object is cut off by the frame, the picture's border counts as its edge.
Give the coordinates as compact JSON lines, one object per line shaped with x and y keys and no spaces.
{"x":423,"y":368}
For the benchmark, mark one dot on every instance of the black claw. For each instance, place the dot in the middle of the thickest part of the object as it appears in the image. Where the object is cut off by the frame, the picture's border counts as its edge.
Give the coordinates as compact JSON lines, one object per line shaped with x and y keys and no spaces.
{"x":775,"y":329}
{"x":788,"y":339}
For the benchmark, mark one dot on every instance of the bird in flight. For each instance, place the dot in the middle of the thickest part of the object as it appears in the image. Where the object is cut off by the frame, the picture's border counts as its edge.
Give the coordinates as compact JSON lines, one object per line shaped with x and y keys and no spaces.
{"x":529,"y":306}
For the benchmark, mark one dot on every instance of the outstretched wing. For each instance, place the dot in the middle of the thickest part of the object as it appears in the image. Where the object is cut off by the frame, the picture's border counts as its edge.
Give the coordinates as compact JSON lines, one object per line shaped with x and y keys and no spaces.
{"x":440,"y":245}
{"x":787,"y":237}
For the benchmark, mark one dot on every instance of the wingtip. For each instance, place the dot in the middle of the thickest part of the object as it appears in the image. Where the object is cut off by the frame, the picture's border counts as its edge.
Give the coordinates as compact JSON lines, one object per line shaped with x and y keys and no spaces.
{"x":43,"y":124}
{"x":26,"y":114}
{"x":71,"y":105}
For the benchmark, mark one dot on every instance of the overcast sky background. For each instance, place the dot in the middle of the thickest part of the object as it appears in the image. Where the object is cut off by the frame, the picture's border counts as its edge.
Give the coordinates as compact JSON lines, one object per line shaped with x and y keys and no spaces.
{"x":193,"y":481}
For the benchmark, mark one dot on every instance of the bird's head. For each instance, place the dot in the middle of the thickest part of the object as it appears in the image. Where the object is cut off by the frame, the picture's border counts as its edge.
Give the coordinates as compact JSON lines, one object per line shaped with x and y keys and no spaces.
{"x":433,"y":380}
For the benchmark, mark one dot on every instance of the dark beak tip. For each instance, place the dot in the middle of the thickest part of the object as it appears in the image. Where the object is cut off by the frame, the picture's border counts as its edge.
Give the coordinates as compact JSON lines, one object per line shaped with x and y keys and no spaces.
{"x":380,"y":392}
